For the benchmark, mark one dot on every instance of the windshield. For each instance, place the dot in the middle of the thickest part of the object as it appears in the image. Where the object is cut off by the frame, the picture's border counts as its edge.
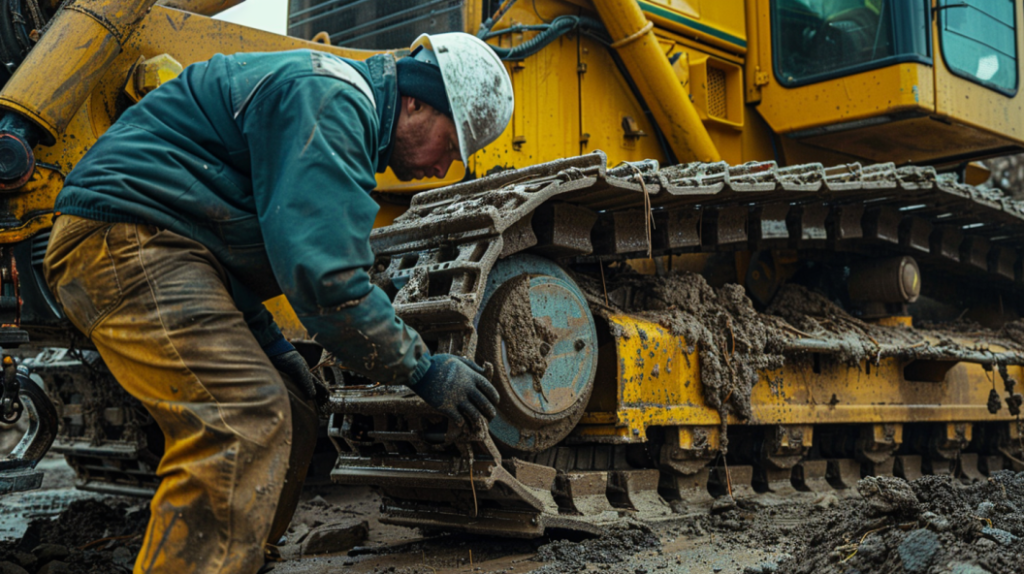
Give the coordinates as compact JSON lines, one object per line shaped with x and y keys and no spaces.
{"x":818,"y":39}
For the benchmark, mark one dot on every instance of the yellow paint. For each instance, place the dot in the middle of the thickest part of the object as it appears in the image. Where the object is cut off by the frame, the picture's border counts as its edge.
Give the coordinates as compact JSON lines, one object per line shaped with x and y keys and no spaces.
{"x":896,"y":320}
{"x":645,"y":60}
{"x":155,"y":72}
{"x":658,"y":383}
{"x":894,"y":89}
{"x":726,"y":16}
{"x":950,"y":117}
{"x":969,"y":103}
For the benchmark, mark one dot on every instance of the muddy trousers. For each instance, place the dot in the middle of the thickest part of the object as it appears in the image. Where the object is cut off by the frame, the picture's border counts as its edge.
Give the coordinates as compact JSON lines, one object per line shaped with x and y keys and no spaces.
{"x":239,"y":437}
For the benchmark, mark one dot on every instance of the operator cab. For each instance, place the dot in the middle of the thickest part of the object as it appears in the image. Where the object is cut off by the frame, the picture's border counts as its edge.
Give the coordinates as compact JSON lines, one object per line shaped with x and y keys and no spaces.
{"x":903,"y":80}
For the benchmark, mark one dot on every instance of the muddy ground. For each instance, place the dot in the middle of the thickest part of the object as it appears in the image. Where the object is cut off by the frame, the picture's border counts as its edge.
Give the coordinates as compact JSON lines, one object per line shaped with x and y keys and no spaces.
{"x":1007,"y":174}
{"x":930,"y":526}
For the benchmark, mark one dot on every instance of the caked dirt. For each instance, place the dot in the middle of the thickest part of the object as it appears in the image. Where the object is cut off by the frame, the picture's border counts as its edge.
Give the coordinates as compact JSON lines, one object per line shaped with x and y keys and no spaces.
{"x":733,"y":341}
{"x":933,"y":525}
{"x":95,"y":536}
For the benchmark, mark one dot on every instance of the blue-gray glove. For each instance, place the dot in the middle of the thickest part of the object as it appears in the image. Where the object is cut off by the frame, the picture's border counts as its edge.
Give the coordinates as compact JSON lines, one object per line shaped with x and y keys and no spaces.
{"x":291,"y":363}
{"x":457,"y":388}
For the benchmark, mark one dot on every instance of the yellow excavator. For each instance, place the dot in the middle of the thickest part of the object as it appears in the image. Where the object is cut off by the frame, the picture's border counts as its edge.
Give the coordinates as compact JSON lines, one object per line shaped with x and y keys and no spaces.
{"x":723,"y":248}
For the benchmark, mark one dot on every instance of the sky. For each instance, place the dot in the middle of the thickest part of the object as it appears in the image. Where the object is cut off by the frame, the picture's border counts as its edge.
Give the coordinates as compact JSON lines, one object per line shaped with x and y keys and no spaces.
{"x":269,"y":15}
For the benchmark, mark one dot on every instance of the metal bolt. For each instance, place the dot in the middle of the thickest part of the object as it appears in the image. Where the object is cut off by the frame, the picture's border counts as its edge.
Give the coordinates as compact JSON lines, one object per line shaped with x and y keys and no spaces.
{"x":580,"y":345}
{"x":156,"y":71}
{"x":545,"y":348}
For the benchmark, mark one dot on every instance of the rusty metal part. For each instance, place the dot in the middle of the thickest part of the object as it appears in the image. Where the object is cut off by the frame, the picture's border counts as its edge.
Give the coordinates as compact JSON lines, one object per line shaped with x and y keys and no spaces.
{"x":17,"y":469}
{"x":536,"y":328}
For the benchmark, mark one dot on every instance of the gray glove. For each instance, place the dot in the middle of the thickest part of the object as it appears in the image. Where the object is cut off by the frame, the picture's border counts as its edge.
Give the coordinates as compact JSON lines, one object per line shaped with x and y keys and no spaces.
{"x":457,"y":388}
{"x":292,"y":364}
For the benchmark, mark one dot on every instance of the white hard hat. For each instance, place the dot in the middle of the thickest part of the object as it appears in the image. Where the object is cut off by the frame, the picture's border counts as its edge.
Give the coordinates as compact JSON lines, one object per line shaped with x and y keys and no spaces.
{"x":479,"y":89}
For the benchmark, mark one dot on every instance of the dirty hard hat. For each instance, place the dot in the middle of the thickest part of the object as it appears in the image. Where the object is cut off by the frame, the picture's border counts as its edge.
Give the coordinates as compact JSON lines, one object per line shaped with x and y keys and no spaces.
{"x":478,"y":87}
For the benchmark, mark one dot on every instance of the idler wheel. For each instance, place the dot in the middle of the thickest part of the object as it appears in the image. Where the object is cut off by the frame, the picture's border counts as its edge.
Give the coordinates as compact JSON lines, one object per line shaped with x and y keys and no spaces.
{"x":537,"y":330}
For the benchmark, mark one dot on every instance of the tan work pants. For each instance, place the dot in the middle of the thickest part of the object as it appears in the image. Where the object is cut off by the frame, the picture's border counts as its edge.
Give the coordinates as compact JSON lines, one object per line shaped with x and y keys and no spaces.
{"x":157,"y":307}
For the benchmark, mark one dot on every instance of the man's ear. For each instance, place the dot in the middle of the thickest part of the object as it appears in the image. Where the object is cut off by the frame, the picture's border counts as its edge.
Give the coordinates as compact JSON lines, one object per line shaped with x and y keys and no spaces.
{"x":411,"y":104}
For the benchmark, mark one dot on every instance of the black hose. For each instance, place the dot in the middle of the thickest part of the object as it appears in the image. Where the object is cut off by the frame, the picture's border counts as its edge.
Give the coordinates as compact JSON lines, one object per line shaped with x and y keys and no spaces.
{"x":589,"y":27}
{"x":558,"y":27}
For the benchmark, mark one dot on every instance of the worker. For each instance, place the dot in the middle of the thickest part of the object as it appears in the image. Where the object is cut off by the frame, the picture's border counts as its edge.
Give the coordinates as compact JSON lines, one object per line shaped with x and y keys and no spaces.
{"x":245,"y":177}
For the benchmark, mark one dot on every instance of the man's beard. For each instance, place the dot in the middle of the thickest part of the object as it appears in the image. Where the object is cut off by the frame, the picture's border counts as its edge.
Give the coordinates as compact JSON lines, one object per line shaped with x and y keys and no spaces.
{"x":405,"y":145}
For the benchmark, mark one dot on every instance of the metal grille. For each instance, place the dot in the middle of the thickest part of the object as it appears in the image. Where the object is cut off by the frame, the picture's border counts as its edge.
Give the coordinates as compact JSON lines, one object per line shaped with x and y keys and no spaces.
{"x":716,"y":93}
{"x":374,"y":24}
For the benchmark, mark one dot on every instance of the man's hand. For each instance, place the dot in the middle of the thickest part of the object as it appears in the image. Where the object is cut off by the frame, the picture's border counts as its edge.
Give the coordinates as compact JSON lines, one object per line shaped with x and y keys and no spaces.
{"x":292,"y":364}
{"x":457,"y":387}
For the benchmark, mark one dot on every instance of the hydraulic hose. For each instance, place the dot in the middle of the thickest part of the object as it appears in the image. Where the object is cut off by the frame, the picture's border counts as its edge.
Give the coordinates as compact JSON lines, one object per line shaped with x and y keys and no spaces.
{"x":549,"y":33}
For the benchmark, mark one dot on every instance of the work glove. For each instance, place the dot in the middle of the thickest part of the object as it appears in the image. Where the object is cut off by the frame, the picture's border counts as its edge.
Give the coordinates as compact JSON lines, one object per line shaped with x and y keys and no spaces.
{"x":457,"y":388}
{"x":292,"y":364}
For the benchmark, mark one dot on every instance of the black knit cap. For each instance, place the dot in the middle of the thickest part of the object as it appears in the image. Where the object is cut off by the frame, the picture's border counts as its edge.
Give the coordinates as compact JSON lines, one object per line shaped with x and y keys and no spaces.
{"x":423,"y":81}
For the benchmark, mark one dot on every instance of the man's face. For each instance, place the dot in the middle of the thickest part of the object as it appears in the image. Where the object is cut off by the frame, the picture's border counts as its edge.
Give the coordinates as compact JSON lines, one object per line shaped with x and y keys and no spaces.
{"x":426,"y":142}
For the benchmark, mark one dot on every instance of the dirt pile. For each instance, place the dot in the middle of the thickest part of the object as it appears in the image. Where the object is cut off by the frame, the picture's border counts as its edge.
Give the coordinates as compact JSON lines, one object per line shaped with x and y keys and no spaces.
{"x":1007,"y":174}
{"x":732,"y":339}
{"x":91,"y":536}
{"x":615,"y":547}
{"x":933,"y":525}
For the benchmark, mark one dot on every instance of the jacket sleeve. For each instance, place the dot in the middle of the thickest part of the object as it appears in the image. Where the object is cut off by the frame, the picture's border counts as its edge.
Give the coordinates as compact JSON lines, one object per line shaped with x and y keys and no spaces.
{"x":312,"y":144}
{"x":259,"y":320}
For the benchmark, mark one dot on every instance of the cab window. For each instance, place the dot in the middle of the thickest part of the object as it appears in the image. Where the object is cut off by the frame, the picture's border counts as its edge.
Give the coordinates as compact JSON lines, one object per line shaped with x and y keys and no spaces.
{"x":816,"y":40}
{"x":979,"y":41}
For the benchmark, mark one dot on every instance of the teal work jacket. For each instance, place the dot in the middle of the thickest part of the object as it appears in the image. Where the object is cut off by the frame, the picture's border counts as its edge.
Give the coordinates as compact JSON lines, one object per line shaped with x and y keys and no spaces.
{"x":268,"y":161}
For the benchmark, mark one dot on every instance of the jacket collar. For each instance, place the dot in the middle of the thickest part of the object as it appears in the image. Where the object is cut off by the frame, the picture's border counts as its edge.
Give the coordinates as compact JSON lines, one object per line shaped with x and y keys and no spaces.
{"x":384,"y":80}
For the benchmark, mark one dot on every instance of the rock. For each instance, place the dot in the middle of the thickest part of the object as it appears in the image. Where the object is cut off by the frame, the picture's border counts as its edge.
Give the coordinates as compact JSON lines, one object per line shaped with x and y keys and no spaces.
{"x":918,"y":550}
{"x":889,"y":495}
{"x":985,"y":544}
{"x":318,"y":502}
{"x":985,"y":509}
{"x":935,"y":522}
{"x":826,"y":500}
{"x":335,"y":537}
{"x":733,"y":525}
{"x":26,"y":559}
{"x":11,"y":568}
{"x":961,"y":568}
{"x":48,"y":552}
{"x":122,"y":556}
{"x":871,"y":549}
{"x":723,"y":503}
{"x":297,"y":535}
{"x":762,"y":568}
{"x":55,"y":567}
{"x":998,"y":535}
